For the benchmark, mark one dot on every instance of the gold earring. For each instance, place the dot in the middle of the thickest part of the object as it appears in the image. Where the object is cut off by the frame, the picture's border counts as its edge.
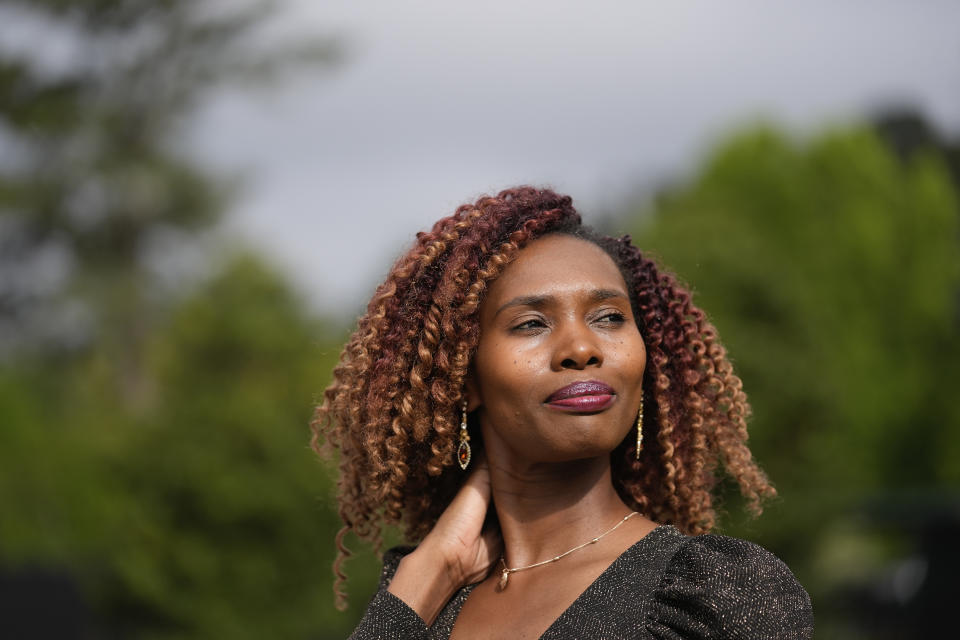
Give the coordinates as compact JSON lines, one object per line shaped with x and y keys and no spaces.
{"x":640,"y":428}
{"x":463,"y":451}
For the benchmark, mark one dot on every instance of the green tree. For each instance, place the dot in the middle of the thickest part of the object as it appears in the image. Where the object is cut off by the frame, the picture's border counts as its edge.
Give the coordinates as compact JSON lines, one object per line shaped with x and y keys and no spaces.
{"x":832,"y":272}
{"x":153,"y":440}
{"x":207,"y":517}
{"x":231,"y":535}
{"x":907,"y":132}
{"x":93,"y":185}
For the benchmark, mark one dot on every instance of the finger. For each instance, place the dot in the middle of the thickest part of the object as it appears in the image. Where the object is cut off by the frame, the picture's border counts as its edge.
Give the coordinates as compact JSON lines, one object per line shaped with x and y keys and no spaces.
{"x":476,"y":486}
{"x":471,"y":502}
{"x":479,"y":478}
{"x":470,"y":505}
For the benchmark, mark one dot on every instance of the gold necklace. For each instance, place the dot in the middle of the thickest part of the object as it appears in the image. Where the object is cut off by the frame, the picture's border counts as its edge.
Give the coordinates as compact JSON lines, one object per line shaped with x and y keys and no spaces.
{"x":505,"y":573}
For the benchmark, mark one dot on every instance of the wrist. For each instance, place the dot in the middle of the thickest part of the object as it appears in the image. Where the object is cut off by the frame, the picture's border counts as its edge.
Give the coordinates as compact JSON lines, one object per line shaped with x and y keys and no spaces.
{"x":424,"y":582}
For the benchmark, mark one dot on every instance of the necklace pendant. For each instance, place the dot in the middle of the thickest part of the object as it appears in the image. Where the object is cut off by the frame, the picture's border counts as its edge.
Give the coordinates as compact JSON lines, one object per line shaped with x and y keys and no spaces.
{"x":504,"y":576}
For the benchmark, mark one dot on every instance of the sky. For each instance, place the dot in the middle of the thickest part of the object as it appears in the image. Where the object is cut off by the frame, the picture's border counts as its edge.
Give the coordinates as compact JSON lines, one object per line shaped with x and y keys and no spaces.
{"x":436,"y":103}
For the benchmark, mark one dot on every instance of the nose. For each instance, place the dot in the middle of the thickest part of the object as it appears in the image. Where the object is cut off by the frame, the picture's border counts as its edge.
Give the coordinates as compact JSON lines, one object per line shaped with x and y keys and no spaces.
{"x":577,"y":348}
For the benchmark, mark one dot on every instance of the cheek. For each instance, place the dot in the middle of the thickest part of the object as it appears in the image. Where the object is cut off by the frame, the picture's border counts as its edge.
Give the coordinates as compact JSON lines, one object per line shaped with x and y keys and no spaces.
{"x":637,"y":351}
{"x":505,"y":374}
{"x":509,"y":365}
{"x":639,"y":357}
{"x":630,"y":351}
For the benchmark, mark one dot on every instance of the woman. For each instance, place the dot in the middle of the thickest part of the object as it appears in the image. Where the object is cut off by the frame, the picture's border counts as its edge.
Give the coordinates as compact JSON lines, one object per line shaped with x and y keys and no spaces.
{"x":546,"y":413}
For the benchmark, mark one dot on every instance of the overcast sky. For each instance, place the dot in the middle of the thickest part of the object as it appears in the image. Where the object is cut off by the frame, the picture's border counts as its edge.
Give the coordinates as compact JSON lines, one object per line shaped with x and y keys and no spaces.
{"x":438,"y":102}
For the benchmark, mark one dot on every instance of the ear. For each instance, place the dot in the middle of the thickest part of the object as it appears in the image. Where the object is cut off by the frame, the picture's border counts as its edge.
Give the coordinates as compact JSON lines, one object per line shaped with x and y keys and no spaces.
{"x":471,"y":393}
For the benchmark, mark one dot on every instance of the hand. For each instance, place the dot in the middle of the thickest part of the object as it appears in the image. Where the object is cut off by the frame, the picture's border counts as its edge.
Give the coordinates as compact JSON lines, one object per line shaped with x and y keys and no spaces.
{"x":458,"y":539}
{"x":455,"y":553}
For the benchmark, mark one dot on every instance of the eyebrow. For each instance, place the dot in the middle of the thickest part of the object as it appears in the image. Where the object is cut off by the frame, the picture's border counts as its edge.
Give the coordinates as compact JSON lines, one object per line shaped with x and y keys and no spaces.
{"x":540,"y":301}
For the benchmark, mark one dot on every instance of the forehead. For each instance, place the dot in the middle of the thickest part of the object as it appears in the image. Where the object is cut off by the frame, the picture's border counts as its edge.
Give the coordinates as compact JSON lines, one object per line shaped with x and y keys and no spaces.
{"x":555,"y":265}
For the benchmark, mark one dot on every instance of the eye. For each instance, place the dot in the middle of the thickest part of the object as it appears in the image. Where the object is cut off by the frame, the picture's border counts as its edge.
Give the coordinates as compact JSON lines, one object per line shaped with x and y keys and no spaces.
{"x":612,"y":317}
{"x":530,"y":325}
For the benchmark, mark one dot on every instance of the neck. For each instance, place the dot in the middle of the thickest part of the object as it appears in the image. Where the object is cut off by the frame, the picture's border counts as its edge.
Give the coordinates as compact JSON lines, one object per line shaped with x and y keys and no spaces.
{"x":545,"y":509}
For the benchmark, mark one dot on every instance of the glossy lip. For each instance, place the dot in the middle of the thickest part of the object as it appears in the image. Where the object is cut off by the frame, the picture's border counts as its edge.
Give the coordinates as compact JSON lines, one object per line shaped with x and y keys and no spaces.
{"x":582,"y":388}
{"x":582,"y":397}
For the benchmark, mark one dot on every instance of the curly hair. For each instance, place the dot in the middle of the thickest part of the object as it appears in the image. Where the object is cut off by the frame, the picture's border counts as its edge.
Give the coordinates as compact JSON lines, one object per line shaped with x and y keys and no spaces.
{"x":392,"y":408}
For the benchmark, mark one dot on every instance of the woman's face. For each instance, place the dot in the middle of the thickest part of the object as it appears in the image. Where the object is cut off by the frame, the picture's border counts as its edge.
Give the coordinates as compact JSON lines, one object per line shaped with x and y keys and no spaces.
{"x":558,"y":369}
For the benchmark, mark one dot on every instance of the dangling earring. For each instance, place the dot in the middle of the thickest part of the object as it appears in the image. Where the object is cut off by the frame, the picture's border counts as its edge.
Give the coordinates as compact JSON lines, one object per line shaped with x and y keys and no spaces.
{"x":640,"y":428}
{"x":463,"y":451}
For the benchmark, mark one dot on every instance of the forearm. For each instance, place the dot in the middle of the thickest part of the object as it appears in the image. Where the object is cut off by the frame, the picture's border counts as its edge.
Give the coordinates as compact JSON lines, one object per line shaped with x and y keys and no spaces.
{"x":389,"y":618}
{"x":424,"y":584}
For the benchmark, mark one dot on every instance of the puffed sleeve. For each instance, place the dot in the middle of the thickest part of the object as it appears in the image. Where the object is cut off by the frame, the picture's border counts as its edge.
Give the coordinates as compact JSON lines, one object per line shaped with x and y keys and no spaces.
{"x":387,"y":616}
{"x":719,"y":587}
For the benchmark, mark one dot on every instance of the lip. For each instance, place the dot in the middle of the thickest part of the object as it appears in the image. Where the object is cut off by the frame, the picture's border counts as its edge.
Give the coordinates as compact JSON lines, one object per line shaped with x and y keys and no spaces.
{"x":591,"y":395}
{"x":582,"y":388}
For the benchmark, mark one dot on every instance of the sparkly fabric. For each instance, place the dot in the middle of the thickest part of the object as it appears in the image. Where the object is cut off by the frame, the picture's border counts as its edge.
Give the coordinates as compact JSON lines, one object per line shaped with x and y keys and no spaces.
{"x":666,"y":586}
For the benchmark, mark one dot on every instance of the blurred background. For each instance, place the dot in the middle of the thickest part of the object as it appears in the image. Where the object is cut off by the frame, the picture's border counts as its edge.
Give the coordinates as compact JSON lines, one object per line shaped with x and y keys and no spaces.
{"x":197,"y":197}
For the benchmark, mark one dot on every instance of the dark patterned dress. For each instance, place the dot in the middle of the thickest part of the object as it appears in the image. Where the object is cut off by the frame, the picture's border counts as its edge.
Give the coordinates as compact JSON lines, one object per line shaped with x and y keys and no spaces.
{"x":667,"y":586}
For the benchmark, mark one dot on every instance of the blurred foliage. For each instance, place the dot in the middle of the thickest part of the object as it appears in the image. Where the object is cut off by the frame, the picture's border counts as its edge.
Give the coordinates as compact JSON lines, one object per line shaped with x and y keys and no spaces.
{"x":95,"y":195}
{"x":831,"y":269}
{"x":153,"y":427}
{"x":207,"y":516}
{"x":907,"y":133}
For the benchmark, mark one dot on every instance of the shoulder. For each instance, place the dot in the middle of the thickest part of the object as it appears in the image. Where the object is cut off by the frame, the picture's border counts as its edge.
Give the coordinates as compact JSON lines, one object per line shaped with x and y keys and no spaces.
{"x":719,"y":587}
